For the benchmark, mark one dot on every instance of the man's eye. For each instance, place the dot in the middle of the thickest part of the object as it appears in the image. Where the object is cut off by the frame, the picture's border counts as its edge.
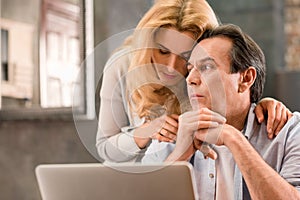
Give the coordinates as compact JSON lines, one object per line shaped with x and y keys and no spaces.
{"x":189,"y":66}
{"x":164,"y":51}
{"x":206,"y":67}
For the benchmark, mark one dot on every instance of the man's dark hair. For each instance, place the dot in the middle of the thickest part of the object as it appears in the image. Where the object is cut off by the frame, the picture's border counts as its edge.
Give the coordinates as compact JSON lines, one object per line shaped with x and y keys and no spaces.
{"x":244,"y":53}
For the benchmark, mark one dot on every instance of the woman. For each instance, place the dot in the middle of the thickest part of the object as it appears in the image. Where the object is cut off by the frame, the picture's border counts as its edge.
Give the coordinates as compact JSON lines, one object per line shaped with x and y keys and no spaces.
{"x":143,"y":87}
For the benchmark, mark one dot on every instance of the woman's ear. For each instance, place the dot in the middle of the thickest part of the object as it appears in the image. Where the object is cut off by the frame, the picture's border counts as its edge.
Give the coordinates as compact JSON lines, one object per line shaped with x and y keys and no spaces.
{"x":247,"y":79}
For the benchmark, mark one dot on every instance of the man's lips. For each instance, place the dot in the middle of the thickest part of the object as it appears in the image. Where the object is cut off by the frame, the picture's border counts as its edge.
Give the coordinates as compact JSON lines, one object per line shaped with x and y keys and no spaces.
{"x":196,"y":96}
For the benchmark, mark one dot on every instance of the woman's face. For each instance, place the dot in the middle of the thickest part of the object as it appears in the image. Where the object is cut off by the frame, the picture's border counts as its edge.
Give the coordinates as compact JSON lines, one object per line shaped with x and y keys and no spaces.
{"x":170,"y":55}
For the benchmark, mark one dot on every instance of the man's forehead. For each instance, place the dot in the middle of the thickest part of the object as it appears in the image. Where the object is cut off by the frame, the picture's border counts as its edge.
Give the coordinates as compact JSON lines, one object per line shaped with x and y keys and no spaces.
{"x":215,"y":47}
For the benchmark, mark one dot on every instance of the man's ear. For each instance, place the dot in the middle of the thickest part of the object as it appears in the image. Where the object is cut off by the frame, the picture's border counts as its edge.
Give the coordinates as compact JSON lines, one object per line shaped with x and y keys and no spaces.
{"x":247,"y":79}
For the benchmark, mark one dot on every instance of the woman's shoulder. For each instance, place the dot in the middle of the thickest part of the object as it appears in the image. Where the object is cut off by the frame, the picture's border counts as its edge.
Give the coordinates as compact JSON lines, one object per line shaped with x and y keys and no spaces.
{"x":119,"y":61}
{"x":121,"y":55}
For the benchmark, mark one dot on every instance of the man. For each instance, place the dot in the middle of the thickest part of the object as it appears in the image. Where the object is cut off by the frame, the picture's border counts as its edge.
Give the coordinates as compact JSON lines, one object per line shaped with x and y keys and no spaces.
{"x":226,"y":77}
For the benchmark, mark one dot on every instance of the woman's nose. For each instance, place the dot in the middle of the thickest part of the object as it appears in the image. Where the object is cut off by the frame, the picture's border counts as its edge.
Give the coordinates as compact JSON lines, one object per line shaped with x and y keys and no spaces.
{"x":174,"y":62}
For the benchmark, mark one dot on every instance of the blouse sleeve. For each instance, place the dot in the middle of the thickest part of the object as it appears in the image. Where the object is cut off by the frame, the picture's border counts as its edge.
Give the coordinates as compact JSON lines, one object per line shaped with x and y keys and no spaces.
{"x":115,"y":142}
{"x":158,"y":152}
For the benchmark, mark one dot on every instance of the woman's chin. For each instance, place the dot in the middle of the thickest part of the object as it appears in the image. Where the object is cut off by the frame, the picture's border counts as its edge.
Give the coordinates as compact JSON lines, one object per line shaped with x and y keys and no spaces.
{"x":170,"y":81}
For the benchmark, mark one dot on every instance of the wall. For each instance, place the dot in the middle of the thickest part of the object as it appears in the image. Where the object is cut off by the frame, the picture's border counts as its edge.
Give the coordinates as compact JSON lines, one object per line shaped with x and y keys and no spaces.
{"x":292,"y":32}
{"x":25,"y":144}
{"x":288,"y":79}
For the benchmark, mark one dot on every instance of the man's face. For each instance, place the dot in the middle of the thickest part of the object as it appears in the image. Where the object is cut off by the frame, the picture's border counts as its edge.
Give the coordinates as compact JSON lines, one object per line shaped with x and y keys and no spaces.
{"x":210,"y":83}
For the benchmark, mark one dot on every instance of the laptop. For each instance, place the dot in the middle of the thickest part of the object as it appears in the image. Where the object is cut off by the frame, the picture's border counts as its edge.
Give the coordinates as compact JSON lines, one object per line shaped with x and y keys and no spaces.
{"x":116,"y":181}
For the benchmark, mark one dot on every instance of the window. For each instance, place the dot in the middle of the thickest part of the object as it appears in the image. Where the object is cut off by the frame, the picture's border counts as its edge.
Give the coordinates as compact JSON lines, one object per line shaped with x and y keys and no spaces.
{"x":61,"y":59}
{"x":42,"y":54}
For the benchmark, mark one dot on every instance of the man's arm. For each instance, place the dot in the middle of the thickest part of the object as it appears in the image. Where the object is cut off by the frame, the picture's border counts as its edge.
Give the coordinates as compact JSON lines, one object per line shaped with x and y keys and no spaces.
{"x":262,"y":181}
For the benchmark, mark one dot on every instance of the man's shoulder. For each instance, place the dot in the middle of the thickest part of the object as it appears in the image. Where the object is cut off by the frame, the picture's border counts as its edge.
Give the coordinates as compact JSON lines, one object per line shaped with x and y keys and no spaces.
{"x":296,"y":115}
{"x":290,"y":133}
{"x":258,"y":131}
{"x":293,"y":124}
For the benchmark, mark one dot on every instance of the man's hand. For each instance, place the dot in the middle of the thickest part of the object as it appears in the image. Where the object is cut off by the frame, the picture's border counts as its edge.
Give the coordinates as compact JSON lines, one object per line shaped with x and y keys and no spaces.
{"x":189,"y":123}
{"x":218,"y":135}
{"x":205,"y":149}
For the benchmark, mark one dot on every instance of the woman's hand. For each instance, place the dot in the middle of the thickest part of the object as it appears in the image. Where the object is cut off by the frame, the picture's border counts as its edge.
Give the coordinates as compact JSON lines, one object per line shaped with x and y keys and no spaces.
{"x":163,"y":128}
{"x":276,"y":113}
{"x":168,"y":128}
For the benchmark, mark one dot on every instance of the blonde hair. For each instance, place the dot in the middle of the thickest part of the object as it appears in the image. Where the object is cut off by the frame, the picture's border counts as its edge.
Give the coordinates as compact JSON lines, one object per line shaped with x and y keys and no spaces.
{"x":144,"y":89}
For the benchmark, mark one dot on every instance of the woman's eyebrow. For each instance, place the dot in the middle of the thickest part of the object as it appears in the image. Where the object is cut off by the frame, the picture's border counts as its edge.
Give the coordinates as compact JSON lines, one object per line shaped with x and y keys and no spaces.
{"x":162,"y":46}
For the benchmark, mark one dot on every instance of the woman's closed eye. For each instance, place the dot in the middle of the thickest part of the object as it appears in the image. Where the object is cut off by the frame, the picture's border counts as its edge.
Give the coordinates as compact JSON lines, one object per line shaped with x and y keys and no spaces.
{"x":164,"y":51}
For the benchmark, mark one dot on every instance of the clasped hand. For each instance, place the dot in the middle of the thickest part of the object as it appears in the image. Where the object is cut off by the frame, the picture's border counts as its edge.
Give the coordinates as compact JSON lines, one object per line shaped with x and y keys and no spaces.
{"x":196,"y":129}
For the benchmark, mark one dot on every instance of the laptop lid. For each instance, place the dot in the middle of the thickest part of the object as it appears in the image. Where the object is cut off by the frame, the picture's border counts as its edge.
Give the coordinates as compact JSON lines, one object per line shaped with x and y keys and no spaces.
{"x":115,"y":182}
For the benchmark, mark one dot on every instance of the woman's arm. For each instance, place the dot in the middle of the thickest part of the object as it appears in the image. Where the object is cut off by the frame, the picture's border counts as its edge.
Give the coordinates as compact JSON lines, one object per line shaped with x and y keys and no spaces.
{"x":118,"y":140}
{"x":276,"y":114}
{"x":115,"y":141}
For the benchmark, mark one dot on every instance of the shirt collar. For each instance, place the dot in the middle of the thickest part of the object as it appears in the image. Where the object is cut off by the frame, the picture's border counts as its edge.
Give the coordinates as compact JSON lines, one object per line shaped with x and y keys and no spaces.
{"x":250,"y":121}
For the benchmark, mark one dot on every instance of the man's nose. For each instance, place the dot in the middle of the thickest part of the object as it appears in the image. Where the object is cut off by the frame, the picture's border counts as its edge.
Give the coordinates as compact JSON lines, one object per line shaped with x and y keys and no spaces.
{"x":194,"y":77}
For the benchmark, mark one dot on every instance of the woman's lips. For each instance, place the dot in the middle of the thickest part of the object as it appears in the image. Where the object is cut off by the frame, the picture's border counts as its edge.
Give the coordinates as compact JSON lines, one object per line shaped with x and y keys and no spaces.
{"x":170,"y":76}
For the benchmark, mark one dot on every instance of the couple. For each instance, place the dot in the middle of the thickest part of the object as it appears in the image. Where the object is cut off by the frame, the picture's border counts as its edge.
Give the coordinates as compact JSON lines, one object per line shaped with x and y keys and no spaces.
{"x":145,"y":78}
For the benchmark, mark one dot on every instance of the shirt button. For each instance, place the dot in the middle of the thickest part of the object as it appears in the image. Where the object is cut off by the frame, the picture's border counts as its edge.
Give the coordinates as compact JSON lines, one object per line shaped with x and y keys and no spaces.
{"x":211,"y":176}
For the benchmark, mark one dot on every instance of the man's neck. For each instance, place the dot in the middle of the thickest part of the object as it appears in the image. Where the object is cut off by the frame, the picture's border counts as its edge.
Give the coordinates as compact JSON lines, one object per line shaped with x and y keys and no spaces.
{"x":238,"y":117}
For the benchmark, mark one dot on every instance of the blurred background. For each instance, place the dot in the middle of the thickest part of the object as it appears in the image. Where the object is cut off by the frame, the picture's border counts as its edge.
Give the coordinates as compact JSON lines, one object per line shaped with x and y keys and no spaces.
{"x":47,"y":49}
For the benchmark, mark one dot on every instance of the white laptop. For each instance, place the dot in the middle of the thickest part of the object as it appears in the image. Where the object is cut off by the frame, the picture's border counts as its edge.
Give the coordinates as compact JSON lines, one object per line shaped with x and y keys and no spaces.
{"x":116,"y":182}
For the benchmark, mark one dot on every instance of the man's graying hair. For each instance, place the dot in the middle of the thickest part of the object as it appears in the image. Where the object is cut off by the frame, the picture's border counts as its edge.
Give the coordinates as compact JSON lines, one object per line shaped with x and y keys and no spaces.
{"x":244,"y":53}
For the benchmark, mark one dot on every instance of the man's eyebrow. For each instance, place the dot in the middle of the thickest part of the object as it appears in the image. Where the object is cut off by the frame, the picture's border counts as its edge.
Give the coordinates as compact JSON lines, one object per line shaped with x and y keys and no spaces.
{"x":205,"y":60}
{"x":186,"y":54}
